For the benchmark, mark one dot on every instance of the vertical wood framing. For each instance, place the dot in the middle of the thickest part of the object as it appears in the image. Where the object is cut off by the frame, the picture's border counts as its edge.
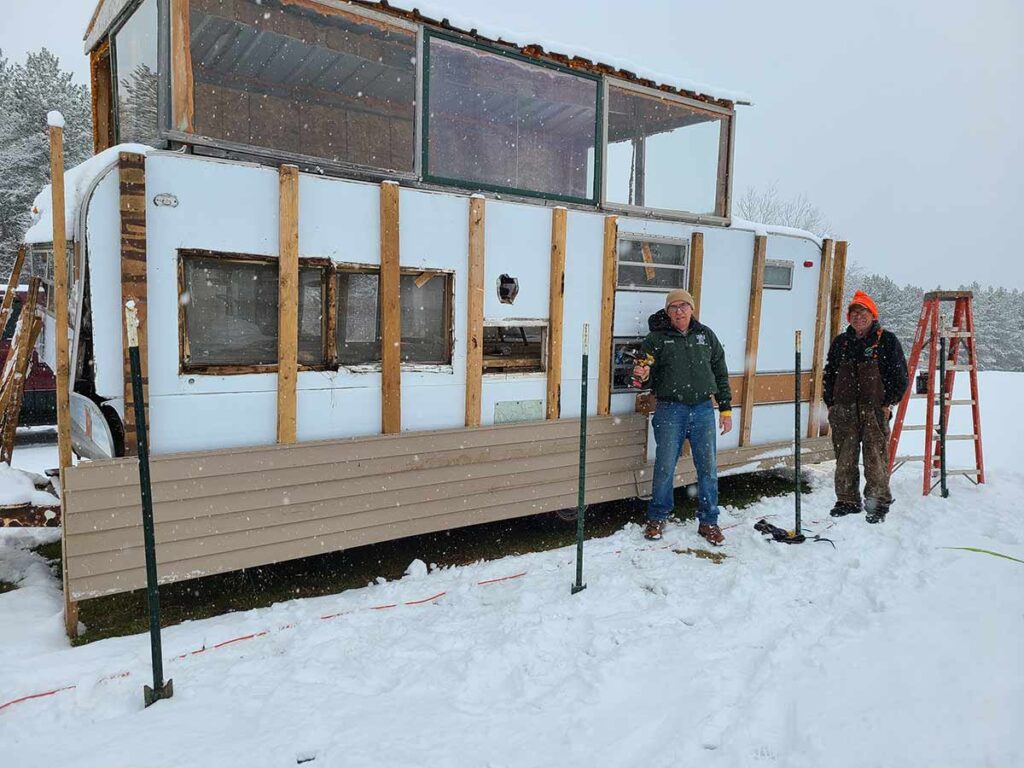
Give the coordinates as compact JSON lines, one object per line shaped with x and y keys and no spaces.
{"x":820,"y":343}
{"x":390,"y":311}
{"x":100,"y":92}
{"x":753,"y":334}
{"x":724,"y":166}
{"x":287,"y":303}
{"x":182,"y":87}
{"x":475,"y":312}
{"x":12,"y":286}
{"x":604,"y":368}
{"x":838,"y":288}
{"x":696,"y":269}
{"x":132,"y":176}
{"x":557,"y":299}
{"x":63,"y":372}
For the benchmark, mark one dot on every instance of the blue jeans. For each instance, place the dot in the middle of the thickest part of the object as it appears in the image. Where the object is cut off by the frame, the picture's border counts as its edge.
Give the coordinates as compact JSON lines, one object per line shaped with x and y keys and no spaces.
{"x":673,"y":423}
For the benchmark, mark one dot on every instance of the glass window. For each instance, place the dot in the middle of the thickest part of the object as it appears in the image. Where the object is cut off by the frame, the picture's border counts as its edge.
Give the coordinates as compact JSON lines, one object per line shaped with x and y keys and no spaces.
{"x":514,"y":348}
{"x":778,"y":274}
{"x":663,"y":154}
{"x":497,"y":122}
{"x":653,"y":265}
{"x":326,"y":84}
{"x":426,"y":317}
{"x":135,"y":73}
{"x":230,"y":307}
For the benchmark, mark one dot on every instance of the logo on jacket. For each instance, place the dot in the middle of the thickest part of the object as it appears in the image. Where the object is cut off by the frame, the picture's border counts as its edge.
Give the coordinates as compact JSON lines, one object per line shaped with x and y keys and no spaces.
{"x":702,"y":339}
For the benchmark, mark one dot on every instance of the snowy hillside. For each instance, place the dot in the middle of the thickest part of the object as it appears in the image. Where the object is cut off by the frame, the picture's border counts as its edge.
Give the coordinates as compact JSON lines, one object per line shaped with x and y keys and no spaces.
{"x":890,"y":649}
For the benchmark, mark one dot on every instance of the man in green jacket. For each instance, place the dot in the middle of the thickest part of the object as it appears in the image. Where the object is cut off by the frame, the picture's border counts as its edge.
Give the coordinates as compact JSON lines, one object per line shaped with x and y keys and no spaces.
{"x":688,"y":368}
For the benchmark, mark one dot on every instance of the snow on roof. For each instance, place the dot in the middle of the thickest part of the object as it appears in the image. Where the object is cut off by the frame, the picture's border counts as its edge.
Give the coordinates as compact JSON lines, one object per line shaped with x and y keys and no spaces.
{"x":77,"y":181}
{"x":773,"y":229}
{"x":433,"y":12}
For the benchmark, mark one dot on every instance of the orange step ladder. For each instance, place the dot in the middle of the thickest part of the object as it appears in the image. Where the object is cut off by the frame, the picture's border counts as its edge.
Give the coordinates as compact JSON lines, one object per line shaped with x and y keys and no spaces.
{"x":930,"y":328}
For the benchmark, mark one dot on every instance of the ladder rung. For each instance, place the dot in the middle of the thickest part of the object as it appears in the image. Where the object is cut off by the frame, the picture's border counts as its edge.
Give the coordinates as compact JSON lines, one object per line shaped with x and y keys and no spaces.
{"x":958,"y":335}
{"x":914,"y":427}
{"x":959,"y":367}
{"x":961,"y":437}
{"x":916,"y":396}
{"x":963,"y":472}
{"x":961,"y":402}
{"x":910,"y":458}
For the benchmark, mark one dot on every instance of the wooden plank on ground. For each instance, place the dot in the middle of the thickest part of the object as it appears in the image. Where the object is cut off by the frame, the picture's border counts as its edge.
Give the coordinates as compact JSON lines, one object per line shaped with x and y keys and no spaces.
{"x":604,"y":369}
{"x":390,"y":310}
{"x":287,"y":302}
{"x":753,"y":334}
{"x":132,"y":176}
{"x":475,"y":312}
{"x":696,"y":269}
{"x":182,"y":86}
{"x":555,"y":304}
{"x":820,"y":343}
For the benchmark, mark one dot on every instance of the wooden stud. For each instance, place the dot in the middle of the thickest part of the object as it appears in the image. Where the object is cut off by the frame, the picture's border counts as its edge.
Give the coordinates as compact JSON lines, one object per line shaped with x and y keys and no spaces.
{"x":724,"y":164}
{"x":696,"y":269}
{"x":818,"y":365}
{"x":475,"y":312}
{"x":836,"y":314}
{"x":100,"y":93}
{"x":12,"y":287}
{"x":390,"y":311}
{"x":608,"y":263}
{"x":182,"y":86}
{"x":753,"y":334}
{"x":287,"y":303}
{"x":555,"y":304}
{"x":132,"y":177}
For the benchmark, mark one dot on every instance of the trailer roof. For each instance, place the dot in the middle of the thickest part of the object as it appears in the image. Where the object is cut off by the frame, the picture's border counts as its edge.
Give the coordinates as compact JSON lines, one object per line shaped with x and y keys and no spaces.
{"x":432,"y":14}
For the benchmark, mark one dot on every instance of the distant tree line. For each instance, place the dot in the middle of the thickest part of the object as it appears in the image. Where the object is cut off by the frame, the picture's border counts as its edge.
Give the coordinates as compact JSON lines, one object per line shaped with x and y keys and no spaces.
{"x":998,"y":315}
{"x":27,"y":92}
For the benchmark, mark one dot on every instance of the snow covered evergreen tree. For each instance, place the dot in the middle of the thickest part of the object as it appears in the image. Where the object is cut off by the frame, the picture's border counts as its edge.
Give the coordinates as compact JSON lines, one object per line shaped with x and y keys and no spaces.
{"x":27,"y":92}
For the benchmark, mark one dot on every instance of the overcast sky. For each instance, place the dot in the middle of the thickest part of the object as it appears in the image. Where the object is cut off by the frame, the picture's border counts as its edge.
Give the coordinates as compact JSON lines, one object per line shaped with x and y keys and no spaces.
{"x":902,"y":120}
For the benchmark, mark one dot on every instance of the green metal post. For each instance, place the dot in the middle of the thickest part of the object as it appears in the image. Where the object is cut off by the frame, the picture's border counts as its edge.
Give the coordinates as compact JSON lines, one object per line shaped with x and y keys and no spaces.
{"x":796,"y":433}
{"x":579,"y":586}
{"x":160,"y":690}
{"x":943,"y":490}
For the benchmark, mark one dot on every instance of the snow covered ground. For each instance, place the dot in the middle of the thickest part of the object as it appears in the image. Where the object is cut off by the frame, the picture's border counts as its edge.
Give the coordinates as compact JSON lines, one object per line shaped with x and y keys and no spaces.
{"x":889,"y":650}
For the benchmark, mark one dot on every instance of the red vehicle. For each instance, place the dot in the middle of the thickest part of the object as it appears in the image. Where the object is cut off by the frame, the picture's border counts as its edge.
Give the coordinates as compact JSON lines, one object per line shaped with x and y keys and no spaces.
{"x":39,"y":402}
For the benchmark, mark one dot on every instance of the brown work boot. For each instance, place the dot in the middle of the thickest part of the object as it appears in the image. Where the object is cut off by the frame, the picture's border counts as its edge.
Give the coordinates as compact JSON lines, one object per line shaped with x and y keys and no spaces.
{"x":654,"y":530}
{"x":712,"y":533}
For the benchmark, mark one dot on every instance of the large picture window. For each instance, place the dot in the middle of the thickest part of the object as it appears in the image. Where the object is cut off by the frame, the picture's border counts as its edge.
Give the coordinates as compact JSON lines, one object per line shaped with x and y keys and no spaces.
{"x":664,"y":154}
{"x":230,"y":311}
{"x":135,"y":76}
{"x":497,"y":122}
{"x":285,"y":76}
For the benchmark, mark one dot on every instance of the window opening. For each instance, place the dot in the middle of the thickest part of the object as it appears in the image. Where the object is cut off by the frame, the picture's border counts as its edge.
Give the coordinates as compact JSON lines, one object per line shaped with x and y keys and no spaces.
{"x":653,"y":265}
{"x":624,"y":352}
{"x":514,"y":348}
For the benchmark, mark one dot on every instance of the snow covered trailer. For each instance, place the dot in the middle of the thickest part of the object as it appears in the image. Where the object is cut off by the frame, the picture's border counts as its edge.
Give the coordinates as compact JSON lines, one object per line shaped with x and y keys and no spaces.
{"x":429,"y":216}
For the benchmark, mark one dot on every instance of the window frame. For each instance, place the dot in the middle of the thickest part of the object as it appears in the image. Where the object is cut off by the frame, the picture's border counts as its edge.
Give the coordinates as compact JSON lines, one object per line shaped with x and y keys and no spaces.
{"x":633,"y":237}
{"x":789,"y":263}
{"x":726,"y":140}
{"x":545,"y":327}
{"x":186,"y":367}
{"x":600,"y":121}
{"x":163,"y":93}
{"x":234,"y":149}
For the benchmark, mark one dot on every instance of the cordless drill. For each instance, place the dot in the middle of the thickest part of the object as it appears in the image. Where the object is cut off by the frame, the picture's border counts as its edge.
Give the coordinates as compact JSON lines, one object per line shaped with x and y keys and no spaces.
{"x":640,"y":360}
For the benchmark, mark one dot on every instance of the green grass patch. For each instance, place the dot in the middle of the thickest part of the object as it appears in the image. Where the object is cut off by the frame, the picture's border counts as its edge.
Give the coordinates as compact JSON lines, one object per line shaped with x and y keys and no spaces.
{"x":329,"y":574}
{"x":50,"y":552}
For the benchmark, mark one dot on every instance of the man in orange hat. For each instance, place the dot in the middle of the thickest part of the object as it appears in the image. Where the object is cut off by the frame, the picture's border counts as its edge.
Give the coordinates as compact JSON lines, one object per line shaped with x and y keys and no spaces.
{"x":865,"y":375}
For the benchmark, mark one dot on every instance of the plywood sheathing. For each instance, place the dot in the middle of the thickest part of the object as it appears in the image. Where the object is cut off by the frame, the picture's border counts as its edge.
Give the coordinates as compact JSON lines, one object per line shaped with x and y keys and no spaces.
{"x":604,"y":369}
{"x":753,"y":335}
{"x":475,"y":312}
{"x":287,"y":302}
{"x":390,"y":311}
{"x":131,"y":169}
{"x":555,"y":308}
{"x":820,"y":343}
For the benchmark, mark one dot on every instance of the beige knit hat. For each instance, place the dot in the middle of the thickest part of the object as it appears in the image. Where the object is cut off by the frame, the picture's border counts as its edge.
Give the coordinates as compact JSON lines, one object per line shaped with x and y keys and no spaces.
{"x":678,"y":295}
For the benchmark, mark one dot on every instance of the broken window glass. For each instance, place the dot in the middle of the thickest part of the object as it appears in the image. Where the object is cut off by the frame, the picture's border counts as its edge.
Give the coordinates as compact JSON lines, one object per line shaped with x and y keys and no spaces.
{"x":663,"y":154}
{"x":320,"y":83}
{"x":499,"y":122}
{"x":135,"y":75}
